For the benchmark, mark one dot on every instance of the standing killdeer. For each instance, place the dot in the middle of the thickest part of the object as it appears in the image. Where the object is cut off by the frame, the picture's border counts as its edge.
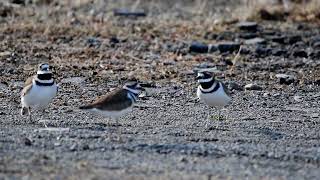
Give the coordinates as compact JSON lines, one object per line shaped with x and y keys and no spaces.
{"x":213,"y":92}
{"x":117,"y":103}
{"x":38,"y":91}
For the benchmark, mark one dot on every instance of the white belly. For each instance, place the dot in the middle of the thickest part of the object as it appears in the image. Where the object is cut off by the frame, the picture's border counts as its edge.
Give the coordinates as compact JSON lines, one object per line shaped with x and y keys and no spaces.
{"x":39,"y":96}
{"x":111,"y":114}
{"x":216,"y":99}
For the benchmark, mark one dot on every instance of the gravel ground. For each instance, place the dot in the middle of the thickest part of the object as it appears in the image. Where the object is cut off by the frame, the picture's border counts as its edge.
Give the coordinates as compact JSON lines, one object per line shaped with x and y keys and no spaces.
{"x":270,"y":132}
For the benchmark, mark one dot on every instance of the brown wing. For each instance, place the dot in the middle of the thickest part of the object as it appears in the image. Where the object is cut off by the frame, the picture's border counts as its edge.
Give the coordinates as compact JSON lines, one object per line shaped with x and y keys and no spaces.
{"x":116,"y":100}
{"x":226,"y":90}
{"x":26,"y":89}
{"x":29,"y":81}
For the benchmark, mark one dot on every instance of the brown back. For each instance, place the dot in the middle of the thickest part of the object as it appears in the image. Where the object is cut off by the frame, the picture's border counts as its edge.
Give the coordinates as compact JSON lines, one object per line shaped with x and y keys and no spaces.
{"x":114,"y":101}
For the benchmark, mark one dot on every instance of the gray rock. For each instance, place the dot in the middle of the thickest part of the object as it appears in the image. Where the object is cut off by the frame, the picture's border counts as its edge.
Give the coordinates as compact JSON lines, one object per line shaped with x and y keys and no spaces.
{"x":262,"y":51}
{"x":73,"y":80}
{"x":253,"y":86}
{"x":248,"y":35}
{"x":255,"y":41}
{"x":278,"y":39}
{"x":279,"y":52}
{"x":93,"y":42}
{"x":127,"y":12}
{"x":228,"y":47}
{"x":300,"y":53}
{"x":248,"y":26}
{"x":198,"y":47}
{"x":285,"y":79}
{"x":235,"y":86}
{"x":294,"y":39}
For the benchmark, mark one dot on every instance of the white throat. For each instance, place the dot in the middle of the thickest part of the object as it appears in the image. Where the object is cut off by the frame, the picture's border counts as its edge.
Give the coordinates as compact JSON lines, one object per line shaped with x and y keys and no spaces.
{"x":205,"y":80}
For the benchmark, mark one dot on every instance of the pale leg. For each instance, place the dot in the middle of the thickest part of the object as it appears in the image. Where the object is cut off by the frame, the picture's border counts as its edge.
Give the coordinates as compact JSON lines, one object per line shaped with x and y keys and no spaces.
{"x":29,"y":114}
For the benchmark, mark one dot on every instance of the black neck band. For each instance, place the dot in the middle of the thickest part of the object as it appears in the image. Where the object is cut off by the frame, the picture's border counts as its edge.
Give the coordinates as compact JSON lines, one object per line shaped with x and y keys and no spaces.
{"x":214,"y":89}
{"x":44,"y":84}
{"x":44,"y":76}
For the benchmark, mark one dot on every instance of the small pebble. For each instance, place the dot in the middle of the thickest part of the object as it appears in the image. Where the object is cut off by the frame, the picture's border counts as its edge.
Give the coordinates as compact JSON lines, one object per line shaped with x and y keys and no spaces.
{"x":252,"y":86}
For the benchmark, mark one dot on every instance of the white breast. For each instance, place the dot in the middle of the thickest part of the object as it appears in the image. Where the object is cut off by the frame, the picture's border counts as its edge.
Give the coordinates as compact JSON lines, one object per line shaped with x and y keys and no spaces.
{"x":215,"y":99}
{"x":39,"y":96}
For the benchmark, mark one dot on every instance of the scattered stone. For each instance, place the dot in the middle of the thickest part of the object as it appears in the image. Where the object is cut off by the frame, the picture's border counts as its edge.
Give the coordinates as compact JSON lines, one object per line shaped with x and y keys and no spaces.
{"x":3,"y":87}
{"x":54,"y":129}
{"x":26,"y":141}
{"x":5,"y":10}
{"x":234,"y":86}
{"x":314,"y":115}
{"x":278,"y":39}
{"x":212,"y":48}
{"x":5,"y":54}
{"x":315,"y":54}
{"x":262,"y":51}
{"x":73,"y":80}
{"x":127,"y":12}
{"x":244,"y":51}
{"x":294,"y":39}
{"x":248,"y":26}
{"x":93,"y":42}
{"x":252,"y":86}
{"x":73,"y":147}
{"x":114,"y":40}
{"x":22,"y":2}
{"x":298,"y":98}
{"x":228,"y":47}
{"x":300,"y":53}
{"x":206,"y":65}
{"x":255,"y":41}
{"x":248,"y":35}
{"x":198,"y":47}
{"x":285,"y":79}
{"x":276,"y":94}
{"x":316,"y":44}
{"x":279,"y":52}
{"x":85,"y":147}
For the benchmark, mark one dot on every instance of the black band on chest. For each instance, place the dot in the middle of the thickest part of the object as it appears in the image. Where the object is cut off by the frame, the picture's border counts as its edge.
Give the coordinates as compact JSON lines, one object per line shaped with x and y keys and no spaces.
{"x":44,"y":76}
{"x":44,"y":84}
{"x":213,"y":90}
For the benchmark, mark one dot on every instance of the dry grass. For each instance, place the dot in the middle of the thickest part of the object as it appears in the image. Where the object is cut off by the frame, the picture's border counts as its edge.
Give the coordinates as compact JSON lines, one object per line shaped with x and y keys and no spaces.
{"x":283,"y":10}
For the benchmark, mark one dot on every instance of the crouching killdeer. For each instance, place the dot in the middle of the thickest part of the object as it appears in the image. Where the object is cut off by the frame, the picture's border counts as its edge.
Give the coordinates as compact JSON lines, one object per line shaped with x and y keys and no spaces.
{"x":38,"y":91}
{"x":211,"y":91}
{"x":117,"y":103}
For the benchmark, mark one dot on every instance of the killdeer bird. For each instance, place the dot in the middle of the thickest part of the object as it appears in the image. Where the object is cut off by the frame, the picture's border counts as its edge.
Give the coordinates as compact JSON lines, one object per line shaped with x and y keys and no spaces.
{"x":38,"y":91}
{"x":211,"y":91}
{"x":117,"y":103}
